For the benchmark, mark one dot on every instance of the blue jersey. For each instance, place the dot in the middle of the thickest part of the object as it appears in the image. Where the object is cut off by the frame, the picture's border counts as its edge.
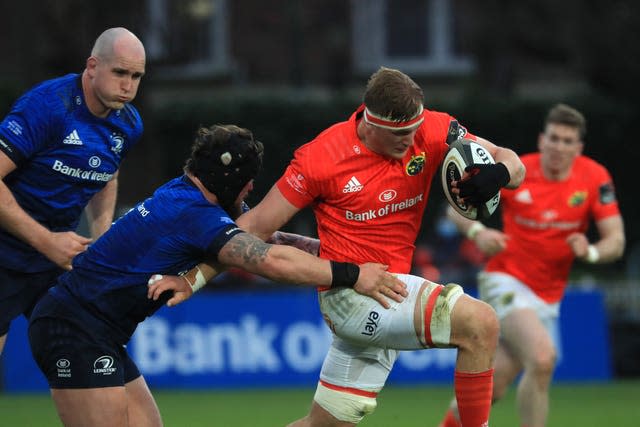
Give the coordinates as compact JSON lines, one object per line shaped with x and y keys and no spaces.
{"x":64,"y":156}
{"x":169,"y":233}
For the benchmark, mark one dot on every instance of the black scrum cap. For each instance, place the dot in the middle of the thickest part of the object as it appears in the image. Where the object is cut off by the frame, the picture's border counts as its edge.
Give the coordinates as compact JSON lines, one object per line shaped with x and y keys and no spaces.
{"x":229,"y":167}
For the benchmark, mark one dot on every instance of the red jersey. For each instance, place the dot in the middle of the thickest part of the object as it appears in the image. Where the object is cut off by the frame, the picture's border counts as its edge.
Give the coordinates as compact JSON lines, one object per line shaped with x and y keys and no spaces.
{"x":541,"y":214}
{"x":368,"y":207}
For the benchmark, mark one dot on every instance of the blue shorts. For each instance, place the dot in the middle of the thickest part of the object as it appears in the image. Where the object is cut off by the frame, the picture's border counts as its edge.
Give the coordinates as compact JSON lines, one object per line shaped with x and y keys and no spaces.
{"x":72,"y":356}
{"x":20,"y":291}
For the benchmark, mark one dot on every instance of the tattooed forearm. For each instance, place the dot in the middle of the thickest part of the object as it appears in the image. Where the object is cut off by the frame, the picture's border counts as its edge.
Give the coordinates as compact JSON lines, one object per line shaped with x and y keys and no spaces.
{"x":304,"y":243}
{"x":244,"y":249}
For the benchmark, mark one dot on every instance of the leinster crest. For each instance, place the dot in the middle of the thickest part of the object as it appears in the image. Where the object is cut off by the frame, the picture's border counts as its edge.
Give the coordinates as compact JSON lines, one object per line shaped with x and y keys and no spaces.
{"x":117,"y":142}
{"x":416,"y":164}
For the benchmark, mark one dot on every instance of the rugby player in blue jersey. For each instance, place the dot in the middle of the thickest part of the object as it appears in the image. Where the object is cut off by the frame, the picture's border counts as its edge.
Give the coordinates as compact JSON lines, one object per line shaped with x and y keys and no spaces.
{"x":79,"y":329}
{"x":60,"y":150}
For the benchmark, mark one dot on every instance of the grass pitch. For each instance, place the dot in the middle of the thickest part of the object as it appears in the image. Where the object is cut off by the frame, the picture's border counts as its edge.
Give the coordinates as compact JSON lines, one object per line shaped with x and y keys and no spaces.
{"x":585,"y":405}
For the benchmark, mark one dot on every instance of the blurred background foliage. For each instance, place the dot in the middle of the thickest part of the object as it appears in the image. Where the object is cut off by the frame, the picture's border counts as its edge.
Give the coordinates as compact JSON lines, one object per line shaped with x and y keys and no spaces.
{"x":287,"y":69}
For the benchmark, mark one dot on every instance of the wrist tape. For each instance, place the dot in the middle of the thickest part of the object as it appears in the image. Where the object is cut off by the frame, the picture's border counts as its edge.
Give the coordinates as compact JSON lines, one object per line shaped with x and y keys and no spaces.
{"x":199,"y":282}
{"x":475,"y":228}
{"x":344,"y":274}
{"x":593,"y":255}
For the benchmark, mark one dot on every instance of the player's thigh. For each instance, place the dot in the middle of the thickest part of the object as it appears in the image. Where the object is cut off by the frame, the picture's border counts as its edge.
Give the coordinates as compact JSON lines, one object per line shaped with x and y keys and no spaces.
{"x":528,"y":324}
{"x":526,"y":336}
{"x":142,"y":408}
{"x":19,"y":292}
{"x":421,"y":320}
{"x":506,"y":369}
{"x":96,"y":407}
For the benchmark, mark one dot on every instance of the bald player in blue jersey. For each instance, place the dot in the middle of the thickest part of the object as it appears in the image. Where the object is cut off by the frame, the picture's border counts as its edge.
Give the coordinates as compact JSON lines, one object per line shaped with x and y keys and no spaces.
{"x":60,"y":150}
{"x":79,"y":329}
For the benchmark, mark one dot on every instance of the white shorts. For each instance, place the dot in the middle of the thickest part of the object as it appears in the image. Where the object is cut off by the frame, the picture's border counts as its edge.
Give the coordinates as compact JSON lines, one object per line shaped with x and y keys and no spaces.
{"x":505,"y":294}
{"x":367,"y":336}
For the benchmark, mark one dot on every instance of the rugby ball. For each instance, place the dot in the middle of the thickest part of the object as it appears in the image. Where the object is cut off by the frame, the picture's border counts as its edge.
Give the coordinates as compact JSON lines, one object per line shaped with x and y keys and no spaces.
{"x":462,"y":153}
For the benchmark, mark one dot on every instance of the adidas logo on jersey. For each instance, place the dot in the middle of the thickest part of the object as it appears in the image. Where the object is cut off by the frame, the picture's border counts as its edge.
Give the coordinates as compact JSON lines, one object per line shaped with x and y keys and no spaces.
{"x":72,"y":138}
{"x":524,"y":196}
{"x":352,"y":186}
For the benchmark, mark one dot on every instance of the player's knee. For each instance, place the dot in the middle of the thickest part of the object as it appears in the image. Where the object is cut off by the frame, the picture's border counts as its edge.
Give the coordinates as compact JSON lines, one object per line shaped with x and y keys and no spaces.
{"x":477,"y":325}
{"x":544,"y":363}
{"x":346,"y":407}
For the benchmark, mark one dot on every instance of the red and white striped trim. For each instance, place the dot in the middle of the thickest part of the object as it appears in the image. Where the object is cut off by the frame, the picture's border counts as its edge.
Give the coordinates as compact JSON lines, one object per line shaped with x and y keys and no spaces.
{"x":428,"y":313}
{"x":349,"y":390}
{"x":387,"y":123}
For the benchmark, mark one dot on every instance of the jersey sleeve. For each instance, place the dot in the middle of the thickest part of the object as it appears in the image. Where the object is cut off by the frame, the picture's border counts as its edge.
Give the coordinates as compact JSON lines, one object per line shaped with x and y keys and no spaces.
{"x":456,"y":131}
{"x":25,"y":130}
{"x":207,"y":229}
{"x":301,"y":182}
{"x":133,"y":121}
{"x":605,"y":203}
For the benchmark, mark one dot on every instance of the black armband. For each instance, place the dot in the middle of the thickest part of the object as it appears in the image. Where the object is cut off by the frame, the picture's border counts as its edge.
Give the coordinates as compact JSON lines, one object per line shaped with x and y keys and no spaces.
{"x":344,"y":274}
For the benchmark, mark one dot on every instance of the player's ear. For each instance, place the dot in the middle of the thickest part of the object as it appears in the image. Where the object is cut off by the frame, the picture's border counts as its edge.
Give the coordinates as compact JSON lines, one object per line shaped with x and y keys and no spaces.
{"x":540,"y":140}
{"x":92,"y":63}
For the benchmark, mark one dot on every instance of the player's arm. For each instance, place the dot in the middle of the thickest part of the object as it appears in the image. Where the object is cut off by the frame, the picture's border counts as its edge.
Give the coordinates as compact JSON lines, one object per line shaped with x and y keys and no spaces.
{"x":304,"y":243}
{"x":509,"y":159}
{"x":489,"y":240}
{"x":263,"y":221}
{"x":291,"y":265}
{"x":101,"y":208}
{"x":59,"y":247}
{"x":273,"y":211}
{"x":608,"y":248}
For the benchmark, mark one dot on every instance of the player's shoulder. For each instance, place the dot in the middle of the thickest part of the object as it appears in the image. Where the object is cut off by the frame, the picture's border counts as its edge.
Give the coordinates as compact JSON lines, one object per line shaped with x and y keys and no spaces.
{"x":530,"y":159}
{"x":330,"y":142}
{"x":439,"y":126}
{"x":131,"y":117}
{"x":54,"y":93}
{"x":587,"y":163}
{"x":53,"y":85}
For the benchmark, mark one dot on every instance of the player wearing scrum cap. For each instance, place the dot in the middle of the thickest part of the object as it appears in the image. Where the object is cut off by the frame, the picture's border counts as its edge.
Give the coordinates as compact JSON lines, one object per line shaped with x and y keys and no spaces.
{"x":79,"y":329}
{"x":367,"y":180}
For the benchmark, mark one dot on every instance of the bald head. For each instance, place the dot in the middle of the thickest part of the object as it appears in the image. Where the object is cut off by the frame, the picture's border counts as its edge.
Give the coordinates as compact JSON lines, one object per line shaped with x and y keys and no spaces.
{"x":116,"y":42}
{"x":113,"y":71}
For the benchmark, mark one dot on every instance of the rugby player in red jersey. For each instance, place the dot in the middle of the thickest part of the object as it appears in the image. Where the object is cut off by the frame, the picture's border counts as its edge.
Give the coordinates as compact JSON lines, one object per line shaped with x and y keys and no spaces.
{"x":367,"y":180}
{"x":544,"y":226}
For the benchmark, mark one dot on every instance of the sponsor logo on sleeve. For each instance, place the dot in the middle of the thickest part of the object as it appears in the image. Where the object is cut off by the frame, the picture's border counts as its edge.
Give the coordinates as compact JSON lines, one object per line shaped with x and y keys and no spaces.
{"x":456,"y":131}
{"x":15,"y":127}
{"x":6,"y":146}
{"x":296,"y":182}
{"x":607,"y":193}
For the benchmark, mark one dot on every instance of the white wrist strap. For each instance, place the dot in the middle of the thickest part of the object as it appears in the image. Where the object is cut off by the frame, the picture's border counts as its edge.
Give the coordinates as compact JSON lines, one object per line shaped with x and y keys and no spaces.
{"x":199,"y":283}
{"x":200,"y":280}
{"x":475,"y":228}
{"x":593,"y":255}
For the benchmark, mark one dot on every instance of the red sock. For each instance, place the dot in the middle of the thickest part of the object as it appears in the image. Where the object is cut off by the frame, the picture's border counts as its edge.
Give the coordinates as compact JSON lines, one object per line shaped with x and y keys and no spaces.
{"x":473,"y":393}
{"x":450,"y":420}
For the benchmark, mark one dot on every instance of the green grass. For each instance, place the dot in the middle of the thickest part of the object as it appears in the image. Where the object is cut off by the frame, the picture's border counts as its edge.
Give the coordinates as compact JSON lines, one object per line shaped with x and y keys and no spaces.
{"x":580,"y":405}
